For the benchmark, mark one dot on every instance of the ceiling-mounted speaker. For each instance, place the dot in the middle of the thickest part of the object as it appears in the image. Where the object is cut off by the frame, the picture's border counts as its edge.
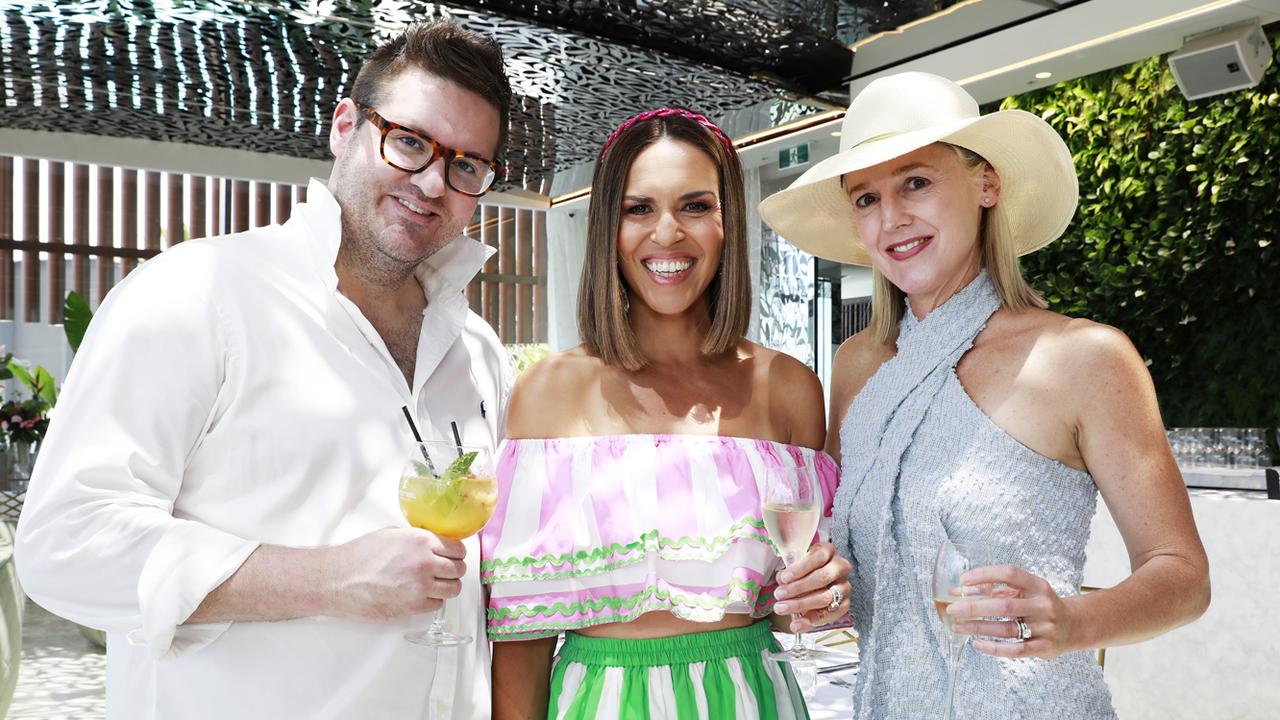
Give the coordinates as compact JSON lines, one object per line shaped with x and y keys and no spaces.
{"x":1231,"y":59}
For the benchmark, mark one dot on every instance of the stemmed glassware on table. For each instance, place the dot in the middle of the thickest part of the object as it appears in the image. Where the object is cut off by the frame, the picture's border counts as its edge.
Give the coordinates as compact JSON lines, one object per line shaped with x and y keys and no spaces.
{"x":955,"y":558}
{"x":792,"y":506}
{"x":449,"y":489}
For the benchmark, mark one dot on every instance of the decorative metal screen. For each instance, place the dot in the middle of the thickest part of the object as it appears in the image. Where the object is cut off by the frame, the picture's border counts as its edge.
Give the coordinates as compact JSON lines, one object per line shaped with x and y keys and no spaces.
{"x":786,"y":297}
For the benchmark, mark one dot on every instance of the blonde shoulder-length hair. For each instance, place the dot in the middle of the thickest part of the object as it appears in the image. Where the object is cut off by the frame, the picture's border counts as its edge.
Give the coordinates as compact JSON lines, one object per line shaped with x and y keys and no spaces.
{"x":602,"y":311}
{"x":996,"y":245}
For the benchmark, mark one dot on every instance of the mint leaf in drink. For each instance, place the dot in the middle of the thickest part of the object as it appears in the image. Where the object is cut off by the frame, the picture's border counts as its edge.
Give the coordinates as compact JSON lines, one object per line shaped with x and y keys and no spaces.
{"x":459,"y":467}
{"x":422,"y":469}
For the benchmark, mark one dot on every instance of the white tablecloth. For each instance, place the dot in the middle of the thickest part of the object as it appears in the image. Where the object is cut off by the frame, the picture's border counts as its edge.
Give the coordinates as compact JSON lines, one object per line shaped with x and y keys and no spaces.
{"x":1225,"y":664}
{"x":1224,"y":477}
{"x":826,"y":700}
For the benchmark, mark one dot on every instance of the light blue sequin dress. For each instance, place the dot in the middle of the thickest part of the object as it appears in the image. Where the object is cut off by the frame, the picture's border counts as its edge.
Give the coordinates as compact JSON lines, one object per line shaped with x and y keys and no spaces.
{"x":921,"y":462}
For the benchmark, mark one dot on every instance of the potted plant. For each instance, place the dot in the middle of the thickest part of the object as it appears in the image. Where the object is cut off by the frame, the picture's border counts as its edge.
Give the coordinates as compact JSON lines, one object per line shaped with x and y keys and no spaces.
{"x":23,"y":421}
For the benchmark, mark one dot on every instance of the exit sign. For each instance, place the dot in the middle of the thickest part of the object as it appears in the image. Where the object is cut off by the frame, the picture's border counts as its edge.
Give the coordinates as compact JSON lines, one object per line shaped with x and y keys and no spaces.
{"x":793,"y":156}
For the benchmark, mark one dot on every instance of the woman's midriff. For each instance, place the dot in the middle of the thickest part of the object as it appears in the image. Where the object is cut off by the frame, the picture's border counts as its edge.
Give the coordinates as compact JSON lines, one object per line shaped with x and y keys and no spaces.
{"x":661,"y":625}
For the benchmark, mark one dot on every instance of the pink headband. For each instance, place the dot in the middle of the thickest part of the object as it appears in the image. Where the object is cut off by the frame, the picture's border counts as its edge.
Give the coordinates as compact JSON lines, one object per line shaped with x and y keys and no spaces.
{"x":668,"y":112}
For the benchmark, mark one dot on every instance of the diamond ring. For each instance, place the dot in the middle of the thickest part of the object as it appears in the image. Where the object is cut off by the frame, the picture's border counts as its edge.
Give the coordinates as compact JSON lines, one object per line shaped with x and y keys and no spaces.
{"x":836,"y":598}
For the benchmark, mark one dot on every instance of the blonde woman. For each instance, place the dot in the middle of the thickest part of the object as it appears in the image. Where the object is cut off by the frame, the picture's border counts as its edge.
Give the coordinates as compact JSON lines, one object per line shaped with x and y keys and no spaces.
{"x":968,"y":411}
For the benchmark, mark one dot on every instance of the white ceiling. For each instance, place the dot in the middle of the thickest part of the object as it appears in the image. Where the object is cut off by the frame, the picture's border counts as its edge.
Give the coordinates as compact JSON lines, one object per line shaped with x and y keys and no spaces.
{"x":1086,"y":38}
{"x":1080,"y":40}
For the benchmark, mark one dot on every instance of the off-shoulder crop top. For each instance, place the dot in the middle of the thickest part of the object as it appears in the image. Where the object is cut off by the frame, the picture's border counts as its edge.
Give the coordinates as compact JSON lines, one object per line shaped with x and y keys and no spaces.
{"x":593,"y":530}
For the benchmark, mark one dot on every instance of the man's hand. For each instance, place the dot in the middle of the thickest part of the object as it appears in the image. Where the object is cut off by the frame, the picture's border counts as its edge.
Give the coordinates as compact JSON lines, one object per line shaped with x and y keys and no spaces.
{"x":393,"y":573}
{"x":384,"y":575}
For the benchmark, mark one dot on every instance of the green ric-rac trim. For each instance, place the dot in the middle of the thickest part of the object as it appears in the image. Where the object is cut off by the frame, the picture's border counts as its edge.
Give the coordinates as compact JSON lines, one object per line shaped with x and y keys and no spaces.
{"x":616,"y":603}
{"x":602,"y":559}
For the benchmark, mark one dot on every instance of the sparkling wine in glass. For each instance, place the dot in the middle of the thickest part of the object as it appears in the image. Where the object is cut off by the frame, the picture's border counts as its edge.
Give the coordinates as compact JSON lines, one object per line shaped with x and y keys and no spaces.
{"x":792,"y":507}
{"x":450,"y":490}
{"x":956,"y":557}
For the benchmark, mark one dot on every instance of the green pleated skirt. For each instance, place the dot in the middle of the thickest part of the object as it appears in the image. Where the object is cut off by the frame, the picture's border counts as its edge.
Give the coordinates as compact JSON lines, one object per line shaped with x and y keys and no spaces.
{"x":721,"y":675}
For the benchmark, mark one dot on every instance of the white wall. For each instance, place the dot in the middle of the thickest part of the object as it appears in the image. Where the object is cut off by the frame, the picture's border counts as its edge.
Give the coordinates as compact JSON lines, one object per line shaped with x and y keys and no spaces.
{"x":855,"y":282}
{"x":38,"y":344}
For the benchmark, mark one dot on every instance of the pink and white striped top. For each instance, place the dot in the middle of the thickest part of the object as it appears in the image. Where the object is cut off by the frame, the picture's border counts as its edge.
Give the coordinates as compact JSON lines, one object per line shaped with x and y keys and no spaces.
{"x":594,"y":530}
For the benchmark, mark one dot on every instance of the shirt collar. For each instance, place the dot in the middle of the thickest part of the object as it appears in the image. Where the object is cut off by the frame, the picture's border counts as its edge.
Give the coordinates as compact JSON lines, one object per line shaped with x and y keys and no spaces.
{"x":448,"y":271}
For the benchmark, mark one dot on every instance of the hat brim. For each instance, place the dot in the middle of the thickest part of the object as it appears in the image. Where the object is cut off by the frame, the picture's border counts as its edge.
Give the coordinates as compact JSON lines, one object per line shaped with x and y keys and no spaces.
{"x":1038,"y":186}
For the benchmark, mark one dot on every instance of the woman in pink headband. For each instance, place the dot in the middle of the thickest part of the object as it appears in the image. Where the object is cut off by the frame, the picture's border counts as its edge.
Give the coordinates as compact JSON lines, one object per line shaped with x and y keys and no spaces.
{"x":634,"y":473}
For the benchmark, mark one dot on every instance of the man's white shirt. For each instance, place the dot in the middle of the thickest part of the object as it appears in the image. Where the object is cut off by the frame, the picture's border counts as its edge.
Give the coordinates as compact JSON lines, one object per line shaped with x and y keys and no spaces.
{"x":228,"y":395}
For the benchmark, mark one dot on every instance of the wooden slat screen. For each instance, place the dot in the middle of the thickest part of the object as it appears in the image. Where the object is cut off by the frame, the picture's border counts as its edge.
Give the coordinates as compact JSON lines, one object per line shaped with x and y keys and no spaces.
{"x":73,"y":226}
{"x":6,"y":235}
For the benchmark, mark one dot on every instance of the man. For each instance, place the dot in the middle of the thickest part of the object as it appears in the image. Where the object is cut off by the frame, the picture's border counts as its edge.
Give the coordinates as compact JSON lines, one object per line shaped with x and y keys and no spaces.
{"x":219,"y":487}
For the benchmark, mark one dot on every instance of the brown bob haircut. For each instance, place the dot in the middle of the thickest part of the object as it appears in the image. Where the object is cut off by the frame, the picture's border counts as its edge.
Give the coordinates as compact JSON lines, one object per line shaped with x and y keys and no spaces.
{"x":443,"y":49}
{"x":602,"y":317}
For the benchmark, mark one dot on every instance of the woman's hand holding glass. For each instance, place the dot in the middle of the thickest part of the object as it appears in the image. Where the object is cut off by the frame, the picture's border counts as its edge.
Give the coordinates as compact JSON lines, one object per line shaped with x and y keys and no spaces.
{"x":1021,"y":596}
{"x":805,"y":588}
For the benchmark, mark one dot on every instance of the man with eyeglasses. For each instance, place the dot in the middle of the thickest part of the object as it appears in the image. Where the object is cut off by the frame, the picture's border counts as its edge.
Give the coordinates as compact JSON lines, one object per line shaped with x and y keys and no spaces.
{"x":218,"y":489}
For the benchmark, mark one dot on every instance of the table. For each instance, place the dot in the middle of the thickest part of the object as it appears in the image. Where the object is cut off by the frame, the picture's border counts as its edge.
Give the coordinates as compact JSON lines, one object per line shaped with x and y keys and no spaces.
{"x":1224,"y":664}
{"x":826,"y":699}
{"x":1225,"y":477}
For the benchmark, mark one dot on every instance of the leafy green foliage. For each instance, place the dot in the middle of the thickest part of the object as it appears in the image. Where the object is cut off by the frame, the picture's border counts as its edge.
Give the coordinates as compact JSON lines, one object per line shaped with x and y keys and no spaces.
{"x":1175,"y":240}
{"x":75,"y":318}
{"x":39,"y":381}
{"x":26,"y":421}
{"x":520,"y":357}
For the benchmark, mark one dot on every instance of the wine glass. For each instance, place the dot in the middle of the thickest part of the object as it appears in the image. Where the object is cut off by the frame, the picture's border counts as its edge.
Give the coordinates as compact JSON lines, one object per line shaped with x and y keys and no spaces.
{"x":792,"y":506}
{"x":956,"y":557}
{"x":449,"y":489}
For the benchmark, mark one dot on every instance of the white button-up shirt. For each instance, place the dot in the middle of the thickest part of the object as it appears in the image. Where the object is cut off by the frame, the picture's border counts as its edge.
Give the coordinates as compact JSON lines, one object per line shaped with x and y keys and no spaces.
{"x":228,"y":395}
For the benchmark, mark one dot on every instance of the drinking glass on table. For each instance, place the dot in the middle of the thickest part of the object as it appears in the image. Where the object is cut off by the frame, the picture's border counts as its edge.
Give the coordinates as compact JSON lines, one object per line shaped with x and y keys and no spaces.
{"x":449,"y":489}
{"x":792,"y":507}
{"x":955,"y":558}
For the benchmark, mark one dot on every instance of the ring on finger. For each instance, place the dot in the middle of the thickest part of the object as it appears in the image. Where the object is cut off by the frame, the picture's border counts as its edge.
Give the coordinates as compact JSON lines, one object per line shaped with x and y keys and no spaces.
{"x":1024,"y":631}
{"x":837,"y":597}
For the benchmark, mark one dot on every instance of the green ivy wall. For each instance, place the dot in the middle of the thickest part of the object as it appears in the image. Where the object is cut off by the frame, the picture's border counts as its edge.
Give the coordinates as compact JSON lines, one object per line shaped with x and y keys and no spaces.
{"x":1177,"y":239}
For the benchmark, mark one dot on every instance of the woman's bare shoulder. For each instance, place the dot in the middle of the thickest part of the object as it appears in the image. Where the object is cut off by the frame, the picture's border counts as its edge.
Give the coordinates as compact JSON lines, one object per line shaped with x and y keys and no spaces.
{"x":794,"y":393}
{"x":551,"y":392}
{"x":1091,"y":361}
{"x":856,"y":360}
{"x":1073,"y":343}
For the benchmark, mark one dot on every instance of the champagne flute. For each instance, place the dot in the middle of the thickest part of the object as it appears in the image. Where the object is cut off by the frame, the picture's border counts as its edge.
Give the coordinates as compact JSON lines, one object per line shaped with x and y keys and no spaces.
{"x":449,"y":489}
{"x":792,"y":507}
{"x":955,"y":557}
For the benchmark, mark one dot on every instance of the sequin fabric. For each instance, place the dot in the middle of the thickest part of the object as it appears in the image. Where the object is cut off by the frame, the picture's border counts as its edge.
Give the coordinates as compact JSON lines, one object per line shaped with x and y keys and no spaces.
{"x":921,"y":462}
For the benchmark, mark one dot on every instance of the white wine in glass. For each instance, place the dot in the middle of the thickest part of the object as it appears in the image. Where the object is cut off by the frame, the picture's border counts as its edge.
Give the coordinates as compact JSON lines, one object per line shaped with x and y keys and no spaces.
{"x":791,"y":509}
{"x":955,"y":558}
{"x":450,"y":490}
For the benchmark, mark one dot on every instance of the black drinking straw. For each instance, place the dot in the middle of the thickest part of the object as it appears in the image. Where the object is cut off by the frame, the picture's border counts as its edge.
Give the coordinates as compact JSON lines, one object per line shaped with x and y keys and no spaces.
{"x":414,"y":429}
{"x":457,"y":439}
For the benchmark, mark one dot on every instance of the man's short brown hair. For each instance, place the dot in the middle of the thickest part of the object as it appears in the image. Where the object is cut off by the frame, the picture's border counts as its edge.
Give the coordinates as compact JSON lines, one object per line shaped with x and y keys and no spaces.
{"x":443,"y":49}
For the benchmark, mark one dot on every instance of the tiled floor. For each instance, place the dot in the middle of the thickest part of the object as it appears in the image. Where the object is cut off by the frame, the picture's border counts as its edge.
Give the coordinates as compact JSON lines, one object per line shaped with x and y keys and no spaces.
{"x":62,"y":676}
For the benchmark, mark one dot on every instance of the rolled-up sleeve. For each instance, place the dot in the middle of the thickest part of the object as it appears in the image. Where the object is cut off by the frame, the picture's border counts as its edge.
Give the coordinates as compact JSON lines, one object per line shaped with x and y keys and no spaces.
{"x":98,"y":540}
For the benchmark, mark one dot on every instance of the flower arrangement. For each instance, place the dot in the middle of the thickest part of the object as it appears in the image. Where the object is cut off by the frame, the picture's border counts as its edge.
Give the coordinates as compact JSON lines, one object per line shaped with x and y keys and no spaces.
{"x":24,"y":421}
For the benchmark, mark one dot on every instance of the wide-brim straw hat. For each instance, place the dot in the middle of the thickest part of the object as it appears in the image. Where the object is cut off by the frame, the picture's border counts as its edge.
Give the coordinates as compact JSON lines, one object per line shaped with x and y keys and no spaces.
{"x":897,"y":114}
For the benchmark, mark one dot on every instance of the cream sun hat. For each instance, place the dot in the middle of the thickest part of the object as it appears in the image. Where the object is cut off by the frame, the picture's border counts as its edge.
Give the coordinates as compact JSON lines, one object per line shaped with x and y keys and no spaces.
{"x":897,"y":114}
